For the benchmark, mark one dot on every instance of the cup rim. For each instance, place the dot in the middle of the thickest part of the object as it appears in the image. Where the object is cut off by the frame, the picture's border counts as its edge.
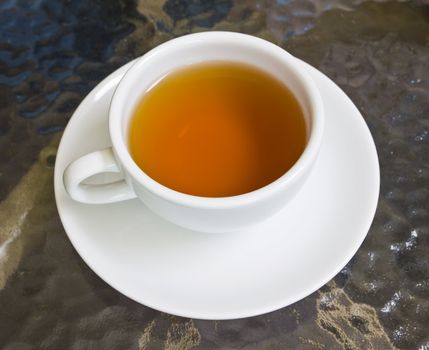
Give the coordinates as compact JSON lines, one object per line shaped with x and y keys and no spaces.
{"x":291,"y":176}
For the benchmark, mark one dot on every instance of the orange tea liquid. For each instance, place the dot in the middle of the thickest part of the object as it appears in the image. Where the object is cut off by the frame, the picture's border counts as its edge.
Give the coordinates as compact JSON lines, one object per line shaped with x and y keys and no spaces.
{"x":217,"y":129}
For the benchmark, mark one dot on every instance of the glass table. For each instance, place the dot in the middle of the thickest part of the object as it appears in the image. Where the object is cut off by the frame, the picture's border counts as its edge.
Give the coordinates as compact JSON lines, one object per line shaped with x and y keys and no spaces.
{"x":52,"y":53}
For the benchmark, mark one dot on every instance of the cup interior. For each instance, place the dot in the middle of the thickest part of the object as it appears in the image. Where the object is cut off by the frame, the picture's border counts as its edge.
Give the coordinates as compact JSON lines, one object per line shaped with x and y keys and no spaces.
{"x":205,"y":47}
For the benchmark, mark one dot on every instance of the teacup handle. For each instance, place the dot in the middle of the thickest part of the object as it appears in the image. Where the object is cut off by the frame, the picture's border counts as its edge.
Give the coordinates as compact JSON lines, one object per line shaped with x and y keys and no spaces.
{"x":91,"y":164}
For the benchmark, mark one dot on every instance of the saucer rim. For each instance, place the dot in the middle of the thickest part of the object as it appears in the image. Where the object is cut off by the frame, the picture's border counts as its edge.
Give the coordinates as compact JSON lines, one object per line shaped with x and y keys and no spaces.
{"x":268,"y":307}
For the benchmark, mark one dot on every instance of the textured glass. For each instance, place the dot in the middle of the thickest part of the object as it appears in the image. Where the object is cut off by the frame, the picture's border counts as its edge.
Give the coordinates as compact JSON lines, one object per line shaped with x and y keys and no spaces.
{"x":52,"y":53}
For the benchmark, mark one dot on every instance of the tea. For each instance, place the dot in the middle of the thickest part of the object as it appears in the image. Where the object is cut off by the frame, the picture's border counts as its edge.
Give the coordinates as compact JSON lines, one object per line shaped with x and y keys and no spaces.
{"x":217,"y":129}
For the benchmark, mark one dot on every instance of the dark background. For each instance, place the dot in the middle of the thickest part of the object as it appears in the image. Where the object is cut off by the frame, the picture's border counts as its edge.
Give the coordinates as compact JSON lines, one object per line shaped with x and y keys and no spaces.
{"x":52,"y":53}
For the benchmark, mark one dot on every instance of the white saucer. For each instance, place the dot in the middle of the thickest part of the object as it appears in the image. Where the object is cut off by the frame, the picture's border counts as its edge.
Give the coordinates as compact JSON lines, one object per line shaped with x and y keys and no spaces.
{"x":225,"y":276}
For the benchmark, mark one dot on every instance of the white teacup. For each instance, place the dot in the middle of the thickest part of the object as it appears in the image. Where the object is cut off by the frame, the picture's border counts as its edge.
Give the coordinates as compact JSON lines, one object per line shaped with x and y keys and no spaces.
{"x":193,"y":212}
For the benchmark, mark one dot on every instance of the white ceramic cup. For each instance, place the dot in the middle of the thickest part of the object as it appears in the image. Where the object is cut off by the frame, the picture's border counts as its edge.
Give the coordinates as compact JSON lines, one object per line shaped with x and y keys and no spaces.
{"x":194,"y":212}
